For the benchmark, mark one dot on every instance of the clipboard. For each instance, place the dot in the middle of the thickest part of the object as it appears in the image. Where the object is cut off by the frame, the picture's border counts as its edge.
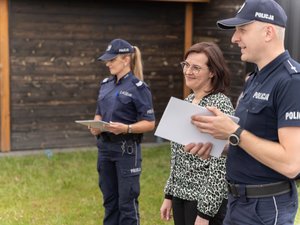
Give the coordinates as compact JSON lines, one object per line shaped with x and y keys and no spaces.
{"x":100,"y":124}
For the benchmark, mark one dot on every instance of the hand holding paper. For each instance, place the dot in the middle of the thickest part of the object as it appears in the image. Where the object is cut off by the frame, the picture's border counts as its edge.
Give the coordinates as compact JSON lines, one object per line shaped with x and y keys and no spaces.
{"x":217,"y":124}
{"x":175,"y":125}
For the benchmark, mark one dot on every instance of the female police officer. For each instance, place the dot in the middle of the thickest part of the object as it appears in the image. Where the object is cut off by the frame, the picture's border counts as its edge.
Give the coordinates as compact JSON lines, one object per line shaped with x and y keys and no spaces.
{"x":126,"y":103}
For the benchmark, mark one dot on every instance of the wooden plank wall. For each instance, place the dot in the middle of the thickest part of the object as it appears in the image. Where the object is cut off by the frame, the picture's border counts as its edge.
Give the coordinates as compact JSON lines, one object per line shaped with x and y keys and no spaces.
{"x":54,"y":75}
{"x":205,"y":29}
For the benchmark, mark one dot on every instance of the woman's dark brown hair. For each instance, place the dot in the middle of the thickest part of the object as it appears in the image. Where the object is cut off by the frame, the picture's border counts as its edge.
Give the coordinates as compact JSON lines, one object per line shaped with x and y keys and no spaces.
{"x":216,"y":64}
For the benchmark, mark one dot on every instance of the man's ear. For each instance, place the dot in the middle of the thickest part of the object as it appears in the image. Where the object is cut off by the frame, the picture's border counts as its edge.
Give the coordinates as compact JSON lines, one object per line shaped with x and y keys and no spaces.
{"x":270,"y":33}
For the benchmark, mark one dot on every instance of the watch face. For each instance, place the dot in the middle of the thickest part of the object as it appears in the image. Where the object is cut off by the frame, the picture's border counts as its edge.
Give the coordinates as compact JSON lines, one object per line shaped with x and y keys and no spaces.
{"x":234,"y":139}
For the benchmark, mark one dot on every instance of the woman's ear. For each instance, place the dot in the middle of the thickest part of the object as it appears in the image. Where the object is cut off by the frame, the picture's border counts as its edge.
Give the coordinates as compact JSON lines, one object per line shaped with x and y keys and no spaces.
{"x":126,"y":60}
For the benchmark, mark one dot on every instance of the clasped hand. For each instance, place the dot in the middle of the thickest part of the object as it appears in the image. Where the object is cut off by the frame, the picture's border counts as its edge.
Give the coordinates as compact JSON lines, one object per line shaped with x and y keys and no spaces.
{"x":219,"y":125}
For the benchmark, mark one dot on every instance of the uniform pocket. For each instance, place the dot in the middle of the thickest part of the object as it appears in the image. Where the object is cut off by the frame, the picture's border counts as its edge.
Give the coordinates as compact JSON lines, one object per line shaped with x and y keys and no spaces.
{"x":131,"y":168}
{"x":257,"y":107}
{"x":129,"y":182}
{"x":131,"y":160}
{"x":260,"y":118}
{"x":124,"y":99}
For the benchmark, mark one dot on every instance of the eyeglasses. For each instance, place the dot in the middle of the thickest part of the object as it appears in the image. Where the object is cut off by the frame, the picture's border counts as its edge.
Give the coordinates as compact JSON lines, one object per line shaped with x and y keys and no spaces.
{"x":194,"y":68}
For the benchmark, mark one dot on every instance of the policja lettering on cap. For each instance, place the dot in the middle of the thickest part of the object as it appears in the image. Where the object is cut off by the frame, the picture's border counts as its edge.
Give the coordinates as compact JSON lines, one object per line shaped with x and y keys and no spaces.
{"x":115,"y":48}
{"x":267,"y":11}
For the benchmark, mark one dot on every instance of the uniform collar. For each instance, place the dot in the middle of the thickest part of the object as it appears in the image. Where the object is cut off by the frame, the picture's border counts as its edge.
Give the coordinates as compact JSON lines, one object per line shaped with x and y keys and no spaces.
{"x":122,"y":79}
{"x":268,"y":69}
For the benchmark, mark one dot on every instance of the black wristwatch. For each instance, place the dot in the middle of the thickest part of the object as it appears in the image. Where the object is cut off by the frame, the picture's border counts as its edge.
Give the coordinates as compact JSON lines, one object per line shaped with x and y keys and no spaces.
{"x":234,"y":139}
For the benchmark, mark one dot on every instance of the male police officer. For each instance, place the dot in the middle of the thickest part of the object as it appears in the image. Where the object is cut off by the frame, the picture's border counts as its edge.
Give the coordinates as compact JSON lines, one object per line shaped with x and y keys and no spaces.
{"x":264,"y":152}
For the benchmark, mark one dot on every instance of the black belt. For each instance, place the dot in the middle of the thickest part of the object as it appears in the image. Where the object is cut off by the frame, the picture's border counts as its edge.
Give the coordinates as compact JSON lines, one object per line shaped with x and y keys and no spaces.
{"x":261,"y":190}
{"x":110,"y":137}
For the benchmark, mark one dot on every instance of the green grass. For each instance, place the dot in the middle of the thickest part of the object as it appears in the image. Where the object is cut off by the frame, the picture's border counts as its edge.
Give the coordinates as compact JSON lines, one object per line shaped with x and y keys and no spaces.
{"x":63,"y":189}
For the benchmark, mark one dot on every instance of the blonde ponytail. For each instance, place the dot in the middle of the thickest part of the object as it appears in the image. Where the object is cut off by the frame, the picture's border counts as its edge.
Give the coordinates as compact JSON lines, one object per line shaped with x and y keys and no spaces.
{"x":136,"y":63}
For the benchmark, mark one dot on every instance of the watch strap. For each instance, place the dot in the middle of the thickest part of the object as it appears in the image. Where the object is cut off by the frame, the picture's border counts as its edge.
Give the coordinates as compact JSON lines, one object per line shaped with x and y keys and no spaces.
{"x":129,"y":131}
{"x":238,"y":131}
{"x":234,"y":138}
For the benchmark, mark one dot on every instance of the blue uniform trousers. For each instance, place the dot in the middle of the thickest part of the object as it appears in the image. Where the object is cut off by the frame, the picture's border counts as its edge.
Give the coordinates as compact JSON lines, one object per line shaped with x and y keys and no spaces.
{"x":119,"y":168}
{"x":274,"y":210}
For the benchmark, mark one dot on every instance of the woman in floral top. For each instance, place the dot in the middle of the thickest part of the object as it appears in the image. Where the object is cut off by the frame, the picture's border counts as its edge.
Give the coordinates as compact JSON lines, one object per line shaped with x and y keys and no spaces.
{"x":196,"y":190}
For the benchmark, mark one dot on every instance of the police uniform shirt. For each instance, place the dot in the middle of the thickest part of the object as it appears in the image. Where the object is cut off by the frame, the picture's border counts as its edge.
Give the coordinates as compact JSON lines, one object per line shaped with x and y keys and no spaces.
{"x":270,"y":101}
{"x":127,"y":101}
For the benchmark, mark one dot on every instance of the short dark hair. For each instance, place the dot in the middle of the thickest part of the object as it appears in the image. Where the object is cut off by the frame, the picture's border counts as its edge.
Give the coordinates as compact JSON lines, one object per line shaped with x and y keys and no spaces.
{"x":216,"y":64}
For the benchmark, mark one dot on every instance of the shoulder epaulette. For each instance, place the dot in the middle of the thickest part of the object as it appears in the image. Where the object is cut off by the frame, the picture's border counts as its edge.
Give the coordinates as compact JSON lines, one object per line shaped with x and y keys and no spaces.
{"x":292,"y":66}
{"x":106,"y":80}
{"x":138,"y":83}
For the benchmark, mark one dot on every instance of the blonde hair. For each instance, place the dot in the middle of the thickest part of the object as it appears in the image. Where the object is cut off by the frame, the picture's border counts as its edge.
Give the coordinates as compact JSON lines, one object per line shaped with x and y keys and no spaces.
{"x":136,"y":63}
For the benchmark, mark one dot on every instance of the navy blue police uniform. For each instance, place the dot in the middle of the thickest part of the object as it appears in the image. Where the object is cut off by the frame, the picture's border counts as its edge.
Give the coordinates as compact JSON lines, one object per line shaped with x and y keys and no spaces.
{"x":119,"y":156}
{"x":269,"y":102}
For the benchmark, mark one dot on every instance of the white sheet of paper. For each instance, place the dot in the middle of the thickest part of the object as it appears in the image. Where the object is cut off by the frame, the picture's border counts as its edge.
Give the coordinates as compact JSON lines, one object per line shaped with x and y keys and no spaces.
{"x":93,"y":123}
{"x":175,"y":125}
